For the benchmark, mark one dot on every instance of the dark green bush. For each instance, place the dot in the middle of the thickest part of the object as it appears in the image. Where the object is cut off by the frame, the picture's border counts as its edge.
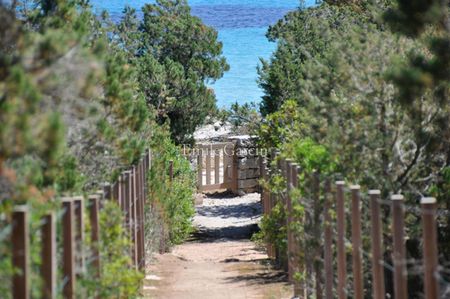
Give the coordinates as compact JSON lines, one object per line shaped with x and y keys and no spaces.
{"x":174,"y":200}
{"x":118,"y":277}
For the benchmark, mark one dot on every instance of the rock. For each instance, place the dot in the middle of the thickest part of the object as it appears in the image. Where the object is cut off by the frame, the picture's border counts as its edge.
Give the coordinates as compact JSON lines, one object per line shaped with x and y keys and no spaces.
{"x":248,"y":163}
{"x":244,"y":174}
{"x":244,"y":184}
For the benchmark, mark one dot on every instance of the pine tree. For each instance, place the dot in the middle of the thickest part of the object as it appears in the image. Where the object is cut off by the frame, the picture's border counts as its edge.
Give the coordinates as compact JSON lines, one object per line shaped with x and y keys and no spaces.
{"x":25,"y":130}
{"x":176,"y":57}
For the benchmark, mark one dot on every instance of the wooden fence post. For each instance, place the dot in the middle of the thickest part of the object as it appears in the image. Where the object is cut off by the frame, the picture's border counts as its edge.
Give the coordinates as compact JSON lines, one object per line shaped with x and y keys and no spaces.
{"x":292,"y":248}
{"x":95,"y":228}
{"x":208,"y":165}
{"x":341,"y":254}
{"x":107,"y":191}
{"x":430,"y":251}
{"x":217,"y":166}
{"x":358,"y":280}
{"x":399,"y":254}
{"x":265,"y":194}
{"x":101,"y":197}
{"x":290,"y":242}
{"x":20,"y":253}
{"x":200,"y":168}
{"x":143,"y":200}
{"x":328,"y":248}
{"x":263,"y":176}
{"x":122,"y":191}
{"x":273,"y":200}
{"x":133,"y":222}
{"x":299,"y":252}
{"x":316,"y":230}
{"x":378,"y":289}
{"x":149,"y":160}
{"x":68,"y":249}
{"x":235,"y":171}
{"x":117,"y":191}
{"x":139,"y":215}
{"x":282,"y":256}
{"x":48,"y":256}
{"x":126,"y":200}
{"x":171,"y":170}
{"x":78,"y":203}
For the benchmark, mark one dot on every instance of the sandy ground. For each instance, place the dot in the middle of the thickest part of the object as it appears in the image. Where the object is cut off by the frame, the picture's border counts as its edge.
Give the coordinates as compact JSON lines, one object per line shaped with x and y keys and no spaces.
{"x":220,"y":262}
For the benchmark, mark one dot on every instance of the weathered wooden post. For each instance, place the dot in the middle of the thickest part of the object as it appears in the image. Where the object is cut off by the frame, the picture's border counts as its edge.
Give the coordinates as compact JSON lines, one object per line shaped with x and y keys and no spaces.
{"x":171,"y":170}
{"x":143,"y":200}
{"x":139,"y":217}
{"x":299,"y":257}
{"x":126,"y":199}
{"x":358,"y":280}
{"x":341,"y":254}
{"x":378,"y":289}
{"x":123,"y":191}
{"x":217,"y":166}
{"x":107,"y":191}
{"x":20,"y":253}
{"x":133,"y":231}
{"x":430,"y":251}
{"x":291,"y":178}
{"x":68,"y":248}
{"x":95,"y":234}
{"x":48,"y":256}
{"x":263,"y":176}
{"x":269,"y":205}
{"x":290,"y":242}
{"x":276,"y":197}
{"x":328,"y":248}
{"x":101,"y":197}
{"x":283,"y":257}
{"x":200,"y":168}
{"x":399,"y":254}
{"x":316,"y":232}
{"x":78,"y":203}
{"x":272,"y":201}
{"x":116,"y":191}
{"x":149,"y":160}
{"x":235,"y":169}
{"x":208,"y":165}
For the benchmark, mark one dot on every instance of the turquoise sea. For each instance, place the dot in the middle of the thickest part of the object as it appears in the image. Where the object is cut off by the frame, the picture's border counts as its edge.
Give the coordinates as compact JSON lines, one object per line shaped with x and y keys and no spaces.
{"x":242,"y":25}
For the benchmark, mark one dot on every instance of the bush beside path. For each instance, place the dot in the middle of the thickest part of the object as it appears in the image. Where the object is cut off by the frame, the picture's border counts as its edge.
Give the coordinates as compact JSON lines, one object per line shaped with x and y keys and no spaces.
{"x":219,"y":261}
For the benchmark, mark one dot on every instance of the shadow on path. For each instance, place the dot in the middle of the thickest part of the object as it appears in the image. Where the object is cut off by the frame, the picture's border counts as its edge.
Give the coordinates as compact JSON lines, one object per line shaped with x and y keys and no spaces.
{"x":225,"y":216}
{"x":232,"y":233}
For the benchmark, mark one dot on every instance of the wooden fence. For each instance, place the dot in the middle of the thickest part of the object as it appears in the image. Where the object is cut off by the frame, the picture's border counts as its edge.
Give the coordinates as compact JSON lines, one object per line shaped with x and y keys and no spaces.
{"x":318,"y":263}
{"x":216,"y":166}
{"x":129,"y":191}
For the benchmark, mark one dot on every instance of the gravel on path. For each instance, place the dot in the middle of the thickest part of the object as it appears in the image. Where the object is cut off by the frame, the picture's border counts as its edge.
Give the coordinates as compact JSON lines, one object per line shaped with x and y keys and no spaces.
{"x":220,"y":261}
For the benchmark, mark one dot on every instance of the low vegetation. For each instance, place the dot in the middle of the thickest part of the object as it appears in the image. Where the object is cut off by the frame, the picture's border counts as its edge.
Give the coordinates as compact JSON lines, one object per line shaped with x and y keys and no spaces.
{"x":81,"y":99}
{"x":359,"y":90}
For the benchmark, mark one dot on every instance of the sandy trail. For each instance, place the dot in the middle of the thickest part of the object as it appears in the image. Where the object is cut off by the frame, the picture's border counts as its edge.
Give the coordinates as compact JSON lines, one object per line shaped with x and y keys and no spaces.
{"x":220,"y":261}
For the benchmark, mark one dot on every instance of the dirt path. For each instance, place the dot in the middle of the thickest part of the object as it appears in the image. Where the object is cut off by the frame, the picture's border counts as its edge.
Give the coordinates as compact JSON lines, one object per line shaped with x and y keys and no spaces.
{"x":219,"y":262}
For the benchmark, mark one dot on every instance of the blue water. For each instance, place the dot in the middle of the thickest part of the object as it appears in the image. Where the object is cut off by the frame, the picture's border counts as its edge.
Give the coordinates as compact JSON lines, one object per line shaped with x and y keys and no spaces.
{"x":242,"y":25}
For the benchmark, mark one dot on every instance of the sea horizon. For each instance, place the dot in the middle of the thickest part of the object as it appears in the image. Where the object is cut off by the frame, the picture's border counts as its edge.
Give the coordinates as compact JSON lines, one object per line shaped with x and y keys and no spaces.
{"x":242,"y":28}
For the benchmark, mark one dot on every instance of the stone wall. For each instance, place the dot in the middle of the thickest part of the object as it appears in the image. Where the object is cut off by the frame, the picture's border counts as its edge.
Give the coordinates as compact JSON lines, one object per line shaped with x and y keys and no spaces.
{"x":248,"y":172}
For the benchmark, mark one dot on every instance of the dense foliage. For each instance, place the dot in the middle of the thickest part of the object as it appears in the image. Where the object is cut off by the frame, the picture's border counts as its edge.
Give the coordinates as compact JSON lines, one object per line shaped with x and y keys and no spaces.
{"x":176,"y":55}
{"x":172,"y":197}
{"x":75,"y":111}
{"x":117,"y":276}
{"x":339,"y":78}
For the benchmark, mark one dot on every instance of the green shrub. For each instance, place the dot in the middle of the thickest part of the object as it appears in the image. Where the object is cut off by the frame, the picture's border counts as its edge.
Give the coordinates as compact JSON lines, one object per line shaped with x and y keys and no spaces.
{"x":174,"y":200}
{"x":310,"y":157}
{"x":118,"y":276}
